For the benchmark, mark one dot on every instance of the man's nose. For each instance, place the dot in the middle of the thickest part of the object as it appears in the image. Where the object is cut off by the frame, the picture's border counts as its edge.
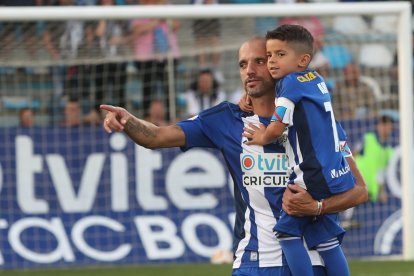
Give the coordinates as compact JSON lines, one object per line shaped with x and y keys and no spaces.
{"x":251,"y":69}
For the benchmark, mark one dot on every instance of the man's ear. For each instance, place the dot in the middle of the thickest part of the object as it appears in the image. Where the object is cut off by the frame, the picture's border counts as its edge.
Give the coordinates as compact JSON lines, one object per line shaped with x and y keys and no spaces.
{"x":304,"y":60}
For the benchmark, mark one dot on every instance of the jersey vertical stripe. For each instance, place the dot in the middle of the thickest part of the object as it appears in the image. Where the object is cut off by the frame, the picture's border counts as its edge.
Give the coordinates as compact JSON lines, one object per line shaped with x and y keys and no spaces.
{"x":258,"y":173}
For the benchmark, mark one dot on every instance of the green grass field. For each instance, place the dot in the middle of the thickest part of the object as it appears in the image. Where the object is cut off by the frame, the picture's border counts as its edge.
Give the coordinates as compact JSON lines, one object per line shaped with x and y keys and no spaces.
{"x":358,"y":268}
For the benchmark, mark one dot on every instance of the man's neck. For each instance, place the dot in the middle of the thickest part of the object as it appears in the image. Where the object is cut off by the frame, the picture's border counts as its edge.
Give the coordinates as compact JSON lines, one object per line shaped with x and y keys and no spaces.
{"x":264,"y":106}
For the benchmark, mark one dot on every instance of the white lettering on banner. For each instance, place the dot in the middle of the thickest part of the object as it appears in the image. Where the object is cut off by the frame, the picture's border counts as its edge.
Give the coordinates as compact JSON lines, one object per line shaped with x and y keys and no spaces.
{"x":152,"y":230}
{"x":119,"y":174}
{"x":146,"y":161}
{"x":167,"y":234}
{"x":3,"y":225}
{"x":79,"y":240}
{"x":27,"y":163}
{"x":232,"y":219}
{"x":179,"y":178}
{"x":189,"y":229}
{"x":54,"y":226}
{"x":211,"y":174}
{"x":88,"y":185}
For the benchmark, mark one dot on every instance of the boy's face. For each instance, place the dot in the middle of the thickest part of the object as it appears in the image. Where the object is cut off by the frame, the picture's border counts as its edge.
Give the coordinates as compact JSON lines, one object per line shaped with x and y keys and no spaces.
{"x":282,"y":59}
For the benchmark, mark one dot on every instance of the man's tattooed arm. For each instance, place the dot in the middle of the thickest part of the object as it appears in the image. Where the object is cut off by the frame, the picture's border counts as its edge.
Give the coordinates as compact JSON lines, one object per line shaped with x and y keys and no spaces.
{"x":151,"y":136}
{"x":136,"y":128}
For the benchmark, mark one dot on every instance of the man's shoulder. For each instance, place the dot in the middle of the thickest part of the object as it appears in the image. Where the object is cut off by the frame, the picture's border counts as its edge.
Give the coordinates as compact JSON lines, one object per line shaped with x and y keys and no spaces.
{"x":222,"y":109}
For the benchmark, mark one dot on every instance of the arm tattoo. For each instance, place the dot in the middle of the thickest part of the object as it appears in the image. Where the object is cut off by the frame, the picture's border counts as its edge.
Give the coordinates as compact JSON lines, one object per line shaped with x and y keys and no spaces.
{"x":136,"y":128}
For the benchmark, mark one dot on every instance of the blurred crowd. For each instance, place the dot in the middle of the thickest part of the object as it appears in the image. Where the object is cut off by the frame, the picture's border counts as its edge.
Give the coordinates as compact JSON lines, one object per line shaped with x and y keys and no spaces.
{"x":355,"y":54}
{"x":155,"y":48}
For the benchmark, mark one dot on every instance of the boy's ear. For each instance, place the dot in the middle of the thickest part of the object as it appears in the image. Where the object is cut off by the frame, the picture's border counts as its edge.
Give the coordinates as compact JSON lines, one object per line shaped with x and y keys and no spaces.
{"x":304,"y":60}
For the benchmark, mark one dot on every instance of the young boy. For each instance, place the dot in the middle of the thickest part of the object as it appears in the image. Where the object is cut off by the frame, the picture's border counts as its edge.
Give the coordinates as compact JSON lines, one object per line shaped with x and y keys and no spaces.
{"x":303,"y":107}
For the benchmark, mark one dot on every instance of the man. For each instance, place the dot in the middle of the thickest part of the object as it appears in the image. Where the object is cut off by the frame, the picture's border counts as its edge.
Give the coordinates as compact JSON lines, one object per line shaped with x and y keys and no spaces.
{"x":374,"y":155}
{"x":26,"y":117}
{"x":258,"y":191}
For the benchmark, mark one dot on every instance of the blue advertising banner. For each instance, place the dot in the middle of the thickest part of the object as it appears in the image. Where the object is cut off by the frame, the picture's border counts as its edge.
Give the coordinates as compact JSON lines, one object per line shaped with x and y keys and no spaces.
{"x":78,"y":196}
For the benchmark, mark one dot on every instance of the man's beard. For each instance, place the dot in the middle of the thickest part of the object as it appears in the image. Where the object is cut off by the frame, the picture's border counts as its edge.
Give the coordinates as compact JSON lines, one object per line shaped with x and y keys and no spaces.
{"x":255,"y":92}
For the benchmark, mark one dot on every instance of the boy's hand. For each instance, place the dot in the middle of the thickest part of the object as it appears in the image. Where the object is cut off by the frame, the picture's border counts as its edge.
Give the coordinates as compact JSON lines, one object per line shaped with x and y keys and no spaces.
{"x":255,"y":134}
{"x":245,"y":103}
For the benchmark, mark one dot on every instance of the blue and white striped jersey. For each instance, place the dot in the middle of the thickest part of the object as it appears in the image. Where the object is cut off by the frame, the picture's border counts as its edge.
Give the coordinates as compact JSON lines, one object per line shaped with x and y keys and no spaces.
{"x":259,"y":174}
{"x":314,"y":150}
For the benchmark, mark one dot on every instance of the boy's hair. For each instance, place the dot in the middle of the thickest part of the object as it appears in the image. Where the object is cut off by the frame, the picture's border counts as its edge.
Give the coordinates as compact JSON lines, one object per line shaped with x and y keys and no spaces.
{"x":299,"y":37}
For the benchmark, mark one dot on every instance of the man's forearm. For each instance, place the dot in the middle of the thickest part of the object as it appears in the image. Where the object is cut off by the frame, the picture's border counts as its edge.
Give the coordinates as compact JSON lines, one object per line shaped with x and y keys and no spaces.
{"x":298,"y":202}
{"x":150,"y":136}
{"x":348,"y":199}
{"x":142,"y":132}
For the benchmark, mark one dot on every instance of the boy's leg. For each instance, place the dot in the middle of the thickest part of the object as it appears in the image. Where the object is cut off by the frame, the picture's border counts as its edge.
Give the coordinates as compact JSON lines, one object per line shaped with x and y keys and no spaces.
{"x":296,"y":255}
{"x":333,"y":257}
{"x":289,"y":231}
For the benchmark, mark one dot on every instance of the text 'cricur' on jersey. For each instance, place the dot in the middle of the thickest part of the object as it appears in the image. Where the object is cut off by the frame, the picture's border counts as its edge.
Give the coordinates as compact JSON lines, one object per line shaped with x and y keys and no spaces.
{"x":264,"y":169}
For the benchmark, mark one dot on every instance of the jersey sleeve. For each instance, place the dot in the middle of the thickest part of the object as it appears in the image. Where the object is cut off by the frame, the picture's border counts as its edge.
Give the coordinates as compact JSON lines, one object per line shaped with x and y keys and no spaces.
{"x":289,"y":93}
{"x":194,"y":134}
{"x":284,"y":111}
{"x":209,"y":128}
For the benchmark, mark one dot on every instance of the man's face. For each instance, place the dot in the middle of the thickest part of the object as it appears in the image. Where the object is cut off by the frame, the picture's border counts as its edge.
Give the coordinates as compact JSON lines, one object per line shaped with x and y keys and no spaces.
{"x":205,"y":83}
{"x":253,"y":70}
{"x":282,"y":59}
{"x":26,"y":118}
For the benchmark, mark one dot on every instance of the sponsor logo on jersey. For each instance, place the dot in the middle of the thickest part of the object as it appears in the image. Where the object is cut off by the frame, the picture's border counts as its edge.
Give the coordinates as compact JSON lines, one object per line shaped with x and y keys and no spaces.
{"x":338,"y":173}
{"x":271,"y":180}
{"x":264,"y":162}
{"x":306,"y":77}
{"x":264,"y":169}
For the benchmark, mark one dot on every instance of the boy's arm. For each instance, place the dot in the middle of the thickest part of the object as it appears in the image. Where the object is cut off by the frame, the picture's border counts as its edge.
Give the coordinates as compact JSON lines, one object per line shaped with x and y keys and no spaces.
{"x":298,"y":202}
{"x":263,"y":135}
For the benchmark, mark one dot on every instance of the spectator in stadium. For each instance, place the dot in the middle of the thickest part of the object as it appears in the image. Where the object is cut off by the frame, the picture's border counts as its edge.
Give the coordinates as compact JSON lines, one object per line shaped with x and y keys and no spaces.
{"x":153,"y":40}
{"x":207,"y":34}
{"x":203,"y":93}
{"x":157,"y":113}
{"x":352,"y":98}
{"x":26,"y":117}
{"x":70,"y":41}
{"x":257,"y":251}
{"x":110,"y":74}
{"x":72,"y":114}
{"x":374,"y":154}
